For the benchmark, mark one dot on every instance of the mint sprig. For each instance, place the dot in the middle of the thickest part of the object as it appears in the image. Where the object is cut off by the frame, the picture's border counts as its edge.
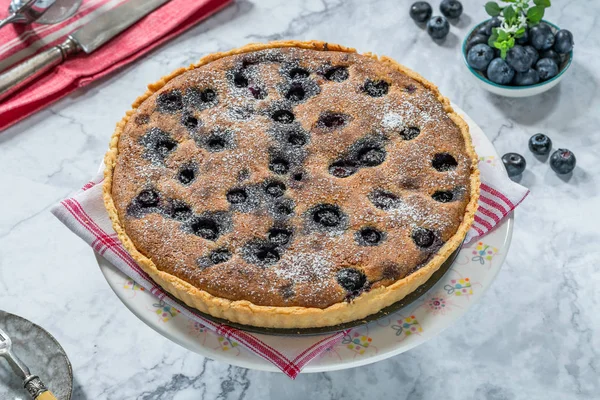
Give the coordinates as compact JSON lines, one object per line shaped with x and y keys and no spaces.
{"x":516,"y":16}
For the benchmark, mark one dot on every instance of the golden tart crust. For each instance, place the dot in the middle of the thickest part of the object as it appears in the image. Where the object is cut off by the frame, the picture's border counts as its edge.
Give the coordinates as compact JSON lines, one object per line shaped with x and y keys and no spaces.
{"x":269,"y":187}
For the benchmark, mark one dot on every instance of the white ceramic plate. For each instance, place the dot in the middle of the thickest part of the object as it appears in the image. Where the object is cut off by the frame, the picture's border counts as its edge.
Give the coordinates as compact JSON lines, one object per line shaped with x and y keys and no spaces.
{"x":465,"y":282}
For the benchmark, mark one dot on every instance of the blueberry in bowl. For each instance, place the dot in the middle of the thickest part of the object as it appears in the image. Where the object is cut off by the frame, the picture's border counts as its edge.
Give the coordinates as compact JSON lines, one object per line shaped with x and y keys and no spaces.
{"x":526,"y":69}
{"x":519,"y":59}
{"x":500,"y":72}
{"x":546,"y":68}
{"x":480,"y":56}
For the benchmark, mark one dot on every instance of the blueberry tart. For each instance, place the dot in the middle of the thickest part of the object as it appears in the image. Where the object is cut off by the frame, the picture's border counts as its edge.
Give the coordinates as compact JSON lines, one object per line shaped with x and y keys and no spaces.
{"x":291,"y":184}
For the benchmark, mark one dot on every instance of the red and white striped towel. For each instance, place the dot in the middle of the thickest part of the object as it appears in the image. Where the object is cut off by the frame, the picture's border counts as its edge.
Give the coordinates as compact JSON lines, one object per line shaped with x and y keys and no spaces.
{"x":85,"y":215}
{"x":498,"y":196}
{"x":18,"y":42}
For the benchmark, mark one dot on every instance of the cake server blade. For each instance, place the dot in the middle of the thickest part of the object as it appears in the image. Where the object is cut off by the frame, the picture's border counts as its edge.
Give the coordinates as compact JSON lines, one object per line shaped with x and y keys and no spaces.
{"x":88,"y":38}
{"x":108,"y":25}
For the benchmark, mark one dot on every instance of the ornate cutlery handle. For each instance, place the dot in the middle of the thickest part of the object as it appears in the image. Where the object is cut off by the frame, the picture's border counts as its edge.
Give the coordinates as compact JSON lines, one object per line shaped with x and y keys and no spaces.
{"x":18,"y":77}
{"x":37,"y":389}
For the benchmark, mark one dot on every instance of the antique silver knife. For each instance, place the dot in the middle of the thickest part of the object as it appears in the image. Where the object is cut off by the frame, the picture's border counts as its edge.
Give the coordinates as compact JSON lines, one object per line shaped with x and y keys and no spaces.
{"x":88,"y":38}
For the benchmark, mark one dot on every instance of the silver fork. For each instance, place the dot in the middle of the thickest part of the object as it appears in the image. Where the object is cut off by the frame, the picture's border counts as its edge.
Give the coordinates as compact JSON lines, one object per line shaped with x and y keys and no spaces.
{"x":32,"y":383}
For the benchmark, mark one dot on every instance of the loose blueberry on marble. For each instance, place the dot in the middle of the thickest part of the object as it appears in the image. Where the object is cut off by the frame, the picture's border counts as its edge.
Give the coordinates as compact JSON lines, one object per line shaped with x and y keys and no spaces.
{"x":351,"y":279}
{"x":533,"y":53}
{"x":480,"y":56}
{"x":542,"y":37}
{"x":438,"y":27}
{"x":423,"y":237}
{"x":546,"y":68}
{"x":409,"y":133}
{"x":527,"y":78}
{"x":514,"y":163}
{"x":551,"y":54}
{"x":475,"y":40}
{"x":376,"y":88}
{"x":443,"y":196}
{"x":519,"y":58}
{"x":444,"y":162}
{"x":420,"y":11}
{"x":451,"y":8}
{"x":562,"y":161}
{"x":500,"y":72}
{"x":220,"y":256}
{"x":563,"y":41}
{"x":337,"y":74}
{"x":540,"y":144}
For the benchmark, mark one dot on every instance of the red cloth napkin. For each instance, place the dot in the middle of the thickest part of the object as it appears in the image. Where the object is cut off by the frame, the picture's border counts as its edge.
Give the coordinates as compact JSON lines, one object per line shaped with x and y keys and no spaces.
{"x":18,"y":42}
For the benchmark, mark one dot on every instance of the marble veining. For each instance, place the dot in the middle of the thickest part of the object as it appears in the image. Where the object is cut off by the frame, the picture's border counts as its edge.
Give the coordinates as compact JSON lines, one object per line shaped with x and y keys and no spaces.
{"x":534,"y":335}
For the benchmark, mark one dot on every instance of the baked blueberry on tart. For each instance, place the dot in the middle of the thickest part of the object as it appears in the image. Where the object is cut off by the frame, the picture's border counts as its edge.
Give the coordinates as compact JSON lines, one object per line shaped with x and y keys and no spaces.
{"x":291,"y":184}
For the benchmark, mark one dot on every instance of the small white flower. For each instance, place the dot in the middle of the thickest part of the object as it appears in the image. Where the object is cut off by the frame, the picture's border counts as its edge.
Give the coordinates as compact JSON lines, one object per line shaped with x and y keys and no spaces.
{"x":522,"y":21}
{"x":521,"y":4}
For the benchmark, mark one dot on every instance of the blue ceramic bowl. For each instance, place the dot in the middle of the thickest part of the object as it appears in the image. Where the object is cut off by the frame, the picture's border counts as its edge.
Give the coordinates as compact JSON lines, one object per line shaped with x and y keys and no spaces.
{"x":516,"y":91}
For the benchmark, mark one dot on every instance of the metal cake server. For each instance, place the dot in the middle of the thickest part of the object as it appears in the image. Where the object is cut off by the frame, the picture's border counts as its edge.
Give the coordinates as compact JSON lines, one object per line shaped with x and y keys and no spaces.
{"x":88,"y":38}
{"x":32,"y":383}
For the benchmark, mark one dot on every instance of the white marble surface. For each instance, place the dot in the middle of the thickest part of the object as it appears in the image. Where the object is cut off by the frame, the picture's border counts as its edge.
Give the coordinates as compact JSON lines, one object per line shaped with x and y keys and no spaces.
{"x":535,"y":334}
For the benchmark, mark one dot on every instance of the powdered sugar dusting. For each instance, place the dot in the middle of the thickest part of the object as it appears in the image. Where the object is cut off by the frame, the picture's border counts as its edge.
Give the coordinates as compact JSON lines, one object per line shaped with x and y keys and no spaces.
{"x":305,"y":267}
{"x":392,"y":120}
